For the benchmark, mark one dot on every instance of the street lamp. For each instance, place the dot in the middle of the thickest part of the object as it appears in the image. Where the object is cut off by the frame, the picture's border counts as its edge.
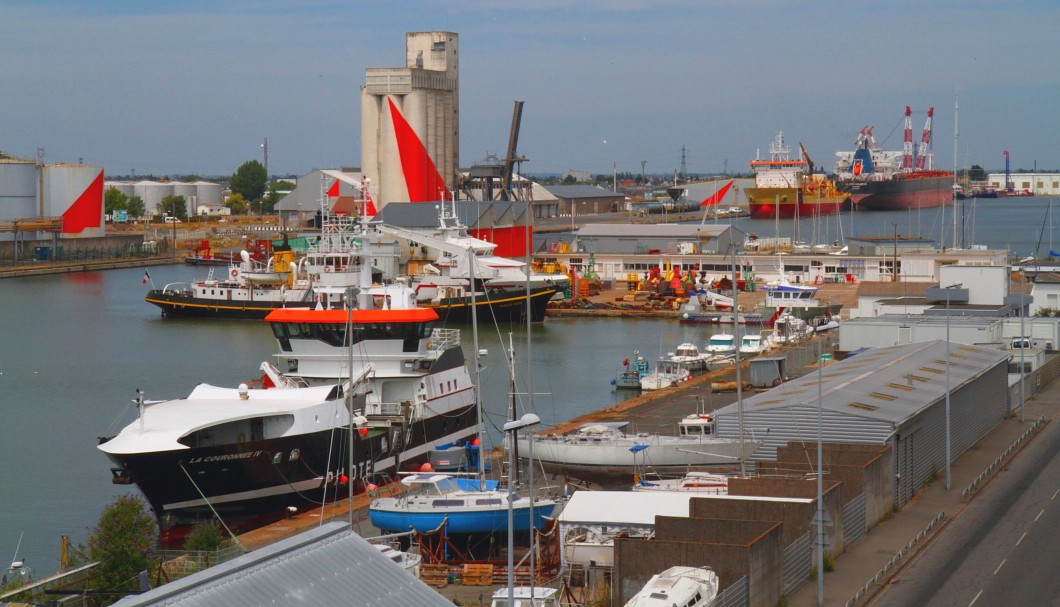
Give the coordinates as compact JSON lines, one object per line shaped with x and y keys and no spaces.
{"x":526,"y":421}
{"x":1023,"y":342}
{"x":947,"y":290}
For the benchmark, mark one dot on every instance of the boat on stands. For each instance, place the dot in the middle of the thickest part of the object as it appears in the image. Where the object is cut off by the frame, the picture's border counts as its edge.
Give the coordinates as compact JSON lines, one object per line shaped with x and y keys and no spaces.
{"x":705,"y":483}
{"x":788,"y":188}
{"x":879,"y":180}
{"x":467,"y":272}
{"x":683,"y":586}
{"x":667,"y":373}
{"x":608,"y":450}
{"x":377,"y":376}
{"x":526,"y":596}
{"x":463,"y":505}
{"x":629,"y":378}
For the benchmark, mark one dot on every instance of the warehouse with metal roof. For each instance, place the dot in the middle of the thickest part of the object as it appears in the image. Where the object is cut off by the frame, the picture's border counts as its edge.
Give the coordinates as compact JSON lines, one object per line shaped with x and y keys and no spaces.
{"x":892,"y":395}
{"x":328,"y":565}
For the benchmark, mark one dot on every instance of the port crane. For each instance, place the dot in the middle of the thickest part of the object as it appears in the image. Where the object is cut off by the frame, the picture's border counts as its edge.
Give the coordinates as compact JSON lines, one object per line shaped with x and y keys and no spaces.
{"x":1008,"y":174}
{"x":916,"y":160}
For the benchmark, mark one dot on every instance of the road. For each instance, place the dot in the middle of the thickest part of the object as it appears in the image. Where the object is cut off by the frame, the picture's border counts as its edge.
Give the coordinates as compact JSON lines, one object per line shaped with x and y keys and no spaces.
{"x":1003,"y":549}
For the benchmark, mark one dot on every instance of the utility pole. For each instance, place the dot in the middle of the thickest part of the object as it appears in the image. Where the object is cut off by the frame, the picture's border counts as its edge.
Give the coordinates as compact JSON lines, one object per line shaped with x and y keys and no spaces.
{"x":642,"y":165}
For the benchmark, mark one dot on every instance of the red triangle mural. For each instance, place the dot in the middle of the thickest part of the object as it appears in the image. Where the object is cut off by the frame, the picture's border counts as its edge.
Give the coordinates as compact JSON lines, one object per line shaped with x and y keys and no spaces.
{"x":421,"y":175}
{"x":87,"y":210}
{"x":716,"y":197}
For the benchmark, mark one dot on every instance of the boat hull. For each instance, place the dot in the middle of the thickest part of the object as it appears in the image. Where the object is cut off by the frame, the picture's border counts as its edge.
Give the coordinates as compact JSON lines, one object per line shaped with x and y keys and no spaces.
{"x":786,"y":203}
{"x":464,"y":522}
{"x":252,"y":483}
{"x":500,"y":306}
{"x":613,"y":460}
{"x":905,"y":191}
{"x":178,"y":304}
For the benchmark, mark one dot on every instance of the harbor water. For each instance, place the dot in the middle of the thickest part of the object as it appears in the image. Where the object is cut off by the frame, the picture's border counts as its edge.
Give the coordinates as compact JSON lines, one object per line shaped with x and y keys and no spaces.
{"x":75,"y":347}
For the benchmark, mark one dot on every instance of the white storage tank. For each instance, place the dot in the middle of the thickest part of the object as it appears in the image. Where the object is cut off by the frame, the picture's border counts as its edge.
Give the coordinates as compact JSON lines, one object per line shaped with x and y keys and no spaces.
{"x":152,"y":193}
{"x":124,"y":187}
{"x":75,"y":193}
{"x":18,"y":191}
{"x":208,"y":193}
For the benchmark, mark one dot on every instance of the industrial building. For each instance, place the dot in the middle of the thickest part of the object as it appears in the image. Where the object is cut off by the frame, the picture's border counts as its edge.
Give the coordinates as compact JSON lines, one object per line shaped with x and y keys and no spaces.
{"x":324,"y":566}
{"x":410,"y":122}
{"x":43,"y":203}
{"x":200,"y":197}
{"x":893,"y":396}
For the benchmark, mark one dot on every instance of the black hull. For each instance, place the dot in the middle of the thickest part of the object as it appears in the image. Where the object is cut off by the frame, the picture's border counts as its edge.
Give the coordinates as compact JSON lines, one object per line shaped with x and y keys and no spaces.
{"x":253,"y":483}
{"x":895,"y":193}
{"x":502,"y":306}
{"x":175,"y":305}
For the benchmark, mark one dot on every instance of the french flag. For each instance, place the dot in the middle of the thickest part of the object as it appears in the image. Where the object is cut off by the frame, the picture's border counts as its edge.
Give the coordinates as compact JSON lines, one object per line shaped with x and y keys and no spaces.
{"x":147,"y":277}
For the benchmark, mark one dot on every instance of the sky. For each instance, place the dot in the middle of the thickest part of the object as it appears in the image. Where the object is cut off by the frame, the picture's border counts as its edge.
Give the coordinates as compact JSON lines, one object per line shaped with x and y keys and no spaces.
{"x":195,"y":87}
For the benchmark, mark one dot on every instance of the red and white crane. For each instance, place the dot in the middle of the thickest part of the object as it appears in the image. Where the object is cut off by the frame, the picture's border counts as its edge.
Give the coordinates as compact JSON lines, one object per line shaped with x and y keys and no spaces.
{"x":924,"y":152}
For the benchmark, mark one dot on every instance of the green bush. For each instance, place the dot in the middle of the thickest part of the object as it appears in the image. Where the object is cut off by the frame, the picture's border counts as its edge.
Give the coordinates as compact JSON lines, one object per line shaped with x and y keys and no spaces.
{"x":205,"y":537}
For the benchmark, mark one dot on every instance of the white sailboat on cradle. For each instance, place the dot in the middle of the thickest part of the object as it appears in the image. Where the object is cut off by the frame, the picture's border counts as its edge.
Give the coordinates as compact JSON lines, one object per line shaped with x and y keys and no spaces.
{"x":682,"y":586}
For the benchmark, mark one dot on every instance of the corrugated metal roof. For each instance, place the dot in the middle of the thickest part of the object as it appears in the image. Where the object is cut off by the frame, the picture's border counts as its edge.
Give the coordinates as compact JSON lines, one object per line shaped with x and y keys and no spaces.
{"x":888,"y":384}
{"x":670,"y":230}
{"x":414,"y":215}
{"x":581,"y":191}
{"x":328,"y":565}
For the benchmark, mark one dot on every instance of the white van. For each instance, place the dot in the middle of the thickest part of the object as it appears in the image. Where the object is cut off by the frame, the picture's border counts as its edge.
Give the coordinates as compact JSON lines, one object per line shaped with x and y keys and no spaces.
{"x":173,"y":220}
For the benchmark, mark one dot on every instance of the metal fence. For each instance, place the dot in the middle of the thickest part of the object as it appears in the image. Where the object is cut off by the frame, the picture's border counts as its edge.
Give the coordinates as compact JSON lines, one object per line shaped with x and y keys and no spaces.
{"x":176,"y":564}
{"x":855,"y":525}
{"x":797,"y":564}
{"x":736,"y":595}
{"x":897,"y":558}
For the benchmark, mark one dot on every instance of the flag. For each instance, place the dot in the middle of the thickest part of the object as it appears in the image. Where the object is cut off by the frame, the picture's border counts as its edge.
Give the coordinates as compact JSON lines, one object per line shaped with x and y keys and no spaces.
{"x":147,"y":277}
{"x":717,"y":196}
{"x":369,"y":206}
{"x":333,"y":191}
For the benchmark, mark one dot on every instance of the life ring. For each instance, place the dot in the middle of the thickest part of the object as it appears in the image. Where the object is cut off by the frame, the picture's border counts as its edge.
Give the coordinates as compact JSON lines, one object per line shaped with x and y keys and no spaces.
{"x":818,"y":280}
{"x":327,"y":268}
{"x":242,"y":438}
{"x":233,"y":272}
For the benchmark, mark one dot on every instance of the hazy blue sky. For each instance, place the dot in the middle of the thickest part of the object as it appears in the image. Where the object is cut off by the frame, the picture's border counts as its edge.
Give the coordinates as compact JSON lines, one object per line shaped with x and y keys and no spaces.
{"x":194,"y":86}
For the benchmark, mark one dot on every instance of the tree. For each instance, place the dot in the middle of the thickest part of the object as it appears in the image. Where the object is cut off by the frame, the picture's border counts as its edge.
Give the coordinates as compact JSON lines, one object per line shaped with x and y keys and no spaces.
{"x":114,"y":200}
{"x":174,"y":206}
{"x":277,"y":190}
{"x":249,"y":180}
{"x":976,"y":173}
{"x":236,"y":203}
{"x":205,"y":537}
{"x":120,"y":543}
{"x":135,"y":206}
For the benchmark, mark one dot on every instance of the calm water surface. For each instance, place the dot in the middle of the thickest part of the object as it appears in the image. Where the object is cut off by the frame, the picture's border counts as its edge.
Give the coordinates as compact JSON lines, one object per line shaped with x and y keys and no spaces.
{"x":74,"y":348}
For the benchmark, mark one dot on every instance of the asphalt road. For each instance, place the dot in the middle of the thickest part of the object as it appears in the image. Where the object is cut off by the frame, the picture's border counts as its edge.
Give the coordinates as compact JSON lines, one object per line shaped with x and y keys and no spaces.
{"x":1003,"y":549}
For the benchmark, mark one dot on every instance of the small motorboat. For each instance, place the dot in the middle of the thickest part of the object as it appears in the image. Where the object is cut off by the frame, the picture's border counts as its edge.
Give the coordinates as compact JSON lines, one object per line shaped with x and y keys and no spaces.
{"x":667,"y":373}
{"x":688,"y":356}
{"x":722,"y":343}
{"x":629,"y":379}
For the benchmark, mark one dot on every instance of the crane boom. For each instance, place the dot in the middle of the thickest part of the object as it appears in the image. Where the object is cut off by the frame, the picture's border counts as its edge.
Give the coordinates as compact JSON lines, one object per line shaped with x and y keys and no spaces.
{"x":907,"y":141}
{"x":924,"y":153}
{"x":510,"y":159}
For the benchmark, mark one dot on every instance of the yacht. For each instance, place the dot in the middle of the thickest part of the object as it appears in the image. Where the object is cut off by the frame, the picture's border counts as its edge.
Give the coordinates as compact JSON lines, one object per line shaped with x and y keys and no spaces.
{"x":681,"y":586}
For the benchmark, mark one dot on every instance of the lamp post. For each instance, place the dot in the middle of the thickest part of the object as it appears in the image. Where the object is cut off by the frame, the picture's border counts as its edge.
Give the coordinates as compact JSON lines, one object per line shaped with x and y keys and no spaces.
{"x":820,"y":473}
{"x":513,"y":427}
{"x":948,"y":289}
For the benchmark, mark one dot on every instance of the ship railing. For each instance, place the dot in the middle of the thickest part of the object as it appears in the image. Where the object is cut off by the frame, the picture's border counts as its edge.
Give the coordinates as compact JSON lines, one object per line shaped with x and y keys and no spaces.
{"x":443,"y":339}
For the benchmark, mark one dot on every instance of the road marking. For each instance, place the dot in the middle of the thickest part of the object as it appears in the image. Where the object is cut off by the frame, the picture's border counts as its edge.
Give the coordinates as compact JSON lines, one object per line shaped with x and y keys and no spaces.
{"x":1039,"y":516}
{"x":1021,"y":538}
{"x":1000,"y":565}
{"x":975,"y":599}
{"x":1055,"y":493}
